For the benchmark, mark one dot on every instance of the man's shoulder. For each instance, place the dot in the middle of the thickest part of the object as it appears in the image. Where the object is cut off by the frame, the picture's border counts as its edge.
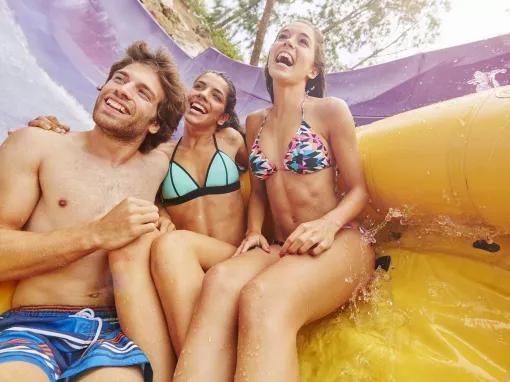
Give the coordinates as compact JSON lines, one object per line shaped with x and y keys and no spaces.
{"x":33,"y":141}
{"x":31,"y":134}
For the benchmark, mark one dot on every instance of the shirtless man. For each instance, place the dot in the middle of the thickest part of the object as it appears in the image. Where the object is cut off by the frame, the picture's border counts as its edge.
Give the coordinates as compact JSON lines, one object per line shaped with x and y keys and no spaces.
{"x":65,"y":202}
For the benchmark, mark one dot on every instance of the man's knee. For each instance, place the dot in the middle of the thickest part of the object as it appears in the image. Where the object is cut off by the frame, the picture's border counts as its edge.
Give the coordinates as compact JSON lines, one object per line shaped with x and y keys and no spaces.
{"x":112,"y":374}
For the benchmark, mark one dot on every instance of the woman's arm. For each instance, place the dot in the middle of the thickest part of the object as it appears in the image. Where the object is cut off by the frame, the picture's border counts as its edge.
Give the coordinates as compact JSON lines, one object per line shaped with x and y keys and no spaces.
{"x":258,"y":197}
{"x":342,"y":139}
{"x":242,"y":152}
{"x":165,"y":223}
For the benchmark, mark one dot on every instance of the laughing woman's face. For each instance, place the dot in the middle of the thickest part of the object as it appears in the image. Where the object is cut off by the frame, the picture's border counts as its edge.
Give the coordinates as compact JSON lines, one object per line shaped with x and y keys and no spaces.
{"x":207,"y":100}
{"x":292,"y":55}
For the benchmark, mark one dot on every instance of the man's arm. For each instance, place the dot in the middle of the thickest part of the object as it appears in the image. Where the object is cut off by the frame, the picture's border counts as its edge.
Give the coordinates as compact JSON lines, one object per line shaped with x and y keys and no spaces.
{"x":22,"y":253}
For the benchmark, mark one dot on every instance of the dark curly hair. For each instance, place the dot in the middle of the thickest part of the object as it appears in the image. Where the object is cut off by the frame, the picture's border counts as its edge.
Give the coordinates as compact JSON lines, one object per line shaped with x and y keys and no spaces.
{"x":172,"y":107}
{"x":315,"y":87}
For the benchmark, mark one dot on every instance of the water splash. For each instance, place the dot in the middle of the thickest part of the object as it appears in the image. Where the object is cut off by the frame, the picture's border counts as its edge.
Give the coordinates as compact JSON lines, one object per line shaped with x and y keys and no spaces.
{"x":372,"y":310}
{"x":486,"y":80}
{"x":427,"y":226}
{"x":375,"y":294}
{"x":446,"y":226}
{"x":369,"y":234}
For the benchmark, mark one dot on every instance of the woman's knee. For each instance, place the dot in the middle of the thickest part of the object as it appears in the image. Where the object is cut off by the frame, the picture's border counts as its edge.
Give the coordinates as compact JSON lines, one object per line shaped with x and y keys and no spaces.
{"x":222,"y":281}
{"x":264,"y":306}
{"x":169,"y":250}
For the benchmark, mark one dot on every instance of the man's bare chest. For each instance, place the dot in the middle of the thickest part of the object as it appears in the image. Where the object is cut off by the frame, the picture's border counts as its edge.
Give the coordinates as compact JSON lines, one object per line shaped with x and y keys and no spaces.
{"x":86,"y":189}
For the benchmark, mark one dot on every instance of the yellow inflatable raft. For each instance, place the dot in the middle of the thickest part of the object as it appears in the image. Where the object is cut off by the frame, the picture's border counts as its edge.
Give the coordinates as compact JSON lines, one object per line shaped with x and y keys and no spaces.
{"x":442,"y":311}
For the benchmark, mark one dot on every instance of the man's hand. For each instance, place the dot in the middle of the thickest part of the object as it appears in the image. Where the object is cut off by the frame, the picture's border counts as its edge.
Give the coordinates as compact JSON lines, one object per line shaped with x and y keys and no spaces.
{"x":127,"y":221}
{"x":49,"y":123}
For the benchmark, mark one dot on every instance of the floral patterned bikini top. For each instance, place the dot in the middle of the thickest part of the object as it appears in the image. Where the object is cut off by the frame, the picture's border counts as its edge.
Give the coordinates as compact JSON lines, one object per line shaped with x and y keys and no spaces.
{"x":306,"y":153}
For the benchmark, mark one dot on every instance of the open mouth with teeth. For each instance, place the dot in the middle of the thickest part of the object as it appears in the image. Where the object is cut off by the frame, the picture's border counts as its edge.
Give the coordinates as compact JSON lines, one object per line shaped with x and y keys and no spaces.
{"x":198,"y":107}
{"x":116,"y":106}
{"x":285,"y":59}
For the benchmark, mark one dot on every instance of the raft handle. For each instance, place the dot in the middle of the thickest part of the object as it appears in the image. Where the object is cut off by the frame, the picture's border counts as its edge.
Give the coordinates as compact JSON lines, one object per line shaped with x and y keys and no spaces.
{"x":489,"y":247}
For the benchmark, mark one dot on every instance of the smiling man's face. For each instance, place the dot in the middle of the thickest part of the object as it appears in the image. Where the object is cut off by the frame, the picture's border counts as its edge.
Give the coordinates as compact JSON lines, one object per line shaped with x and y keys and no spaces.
{"x":126,"y":107}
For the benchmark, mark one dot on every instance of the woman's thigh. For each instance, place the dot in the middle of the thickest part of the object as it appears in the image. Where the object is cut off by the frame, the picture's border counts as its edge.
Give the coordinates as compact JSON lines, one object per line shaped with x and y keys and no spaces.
{"x":207,"y":250}
{"x":235,"y":272}
{"x":312,"y":287}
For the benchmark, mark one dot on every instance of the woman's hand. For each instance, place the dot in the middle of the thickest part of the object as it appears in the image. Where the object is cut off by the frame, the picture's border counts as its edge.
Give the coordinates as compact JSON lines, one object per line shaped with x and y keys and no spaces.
{"x":313,"y":238}
{"x":253,"y":239}
{"x":49,"y":123}
{"x":165,"y":225}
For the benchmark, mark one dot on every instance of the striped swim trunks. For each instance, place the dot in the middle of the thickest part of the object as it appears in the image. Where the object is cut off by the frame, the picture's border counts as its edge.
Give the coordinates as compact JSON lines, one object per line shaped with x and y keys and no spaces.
{"x":65,"y":341}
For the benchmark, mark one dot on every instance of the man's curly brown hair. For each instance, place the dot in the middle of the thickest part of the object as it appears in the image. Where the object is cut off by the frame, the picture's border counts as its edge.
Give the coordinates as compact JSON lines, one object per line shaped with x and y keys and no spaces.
{"x":172,"y":107}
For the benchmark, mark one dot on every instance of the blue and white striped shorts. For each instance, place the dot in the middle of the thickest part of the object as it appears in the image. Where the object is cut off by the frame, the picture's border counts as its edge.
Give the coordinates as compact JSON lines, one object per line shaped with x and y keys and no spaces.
{"x":66,"y":340}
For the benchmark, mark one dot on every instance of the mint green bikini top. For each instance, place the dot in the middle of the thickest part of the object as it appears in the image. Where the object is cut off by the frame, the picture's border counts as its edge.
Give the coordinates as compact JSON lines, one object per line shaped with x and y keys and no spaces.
{"x":179,"y":186}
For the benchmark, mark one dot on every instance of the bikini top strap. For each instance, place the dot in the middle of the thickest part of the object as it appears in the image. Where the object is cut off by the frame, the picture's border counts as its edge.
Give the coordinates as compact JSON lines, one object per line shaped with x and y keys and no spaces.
{"x":175,"y":150}
{"x":215,"y":143}
{"x":262,"y":124}
{"x":302,"y":108}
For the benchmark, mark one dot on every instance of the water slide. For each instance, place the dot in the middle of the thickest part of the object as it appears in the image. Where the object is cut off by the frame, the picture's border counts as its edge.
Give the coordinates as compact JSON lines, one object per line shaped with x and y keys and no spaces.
{"x":434,"y":134}
{"x":56,"y":52}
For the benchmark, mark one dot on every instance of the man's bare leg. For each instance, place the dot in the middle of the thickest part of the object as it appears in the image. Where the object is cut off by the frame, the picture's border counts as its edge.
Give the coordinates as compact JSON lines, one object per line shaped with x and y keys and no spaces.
{"x":138,"y":307}
{"x":179,"y":260}
{"x":21,"y":371}
{"x":111,"y":374}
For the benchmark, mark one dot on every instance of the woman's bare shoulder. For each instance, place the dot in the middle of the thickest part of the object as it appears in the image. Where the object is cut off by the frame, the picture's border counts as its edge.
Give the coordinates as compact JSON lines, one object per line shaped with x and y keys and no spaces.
{"x":330,"y":105}
{"x":230,"y":135}
{"x":254,"y":119}
{"x":333,"y":112}
{"x":167,"y":148}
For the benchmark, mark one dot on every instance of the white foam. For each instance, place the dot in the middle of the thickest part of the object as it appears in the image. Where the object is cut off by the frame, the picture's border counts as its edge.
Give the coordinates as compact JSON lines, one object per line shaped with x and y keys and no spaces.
{"x":26,"y":89}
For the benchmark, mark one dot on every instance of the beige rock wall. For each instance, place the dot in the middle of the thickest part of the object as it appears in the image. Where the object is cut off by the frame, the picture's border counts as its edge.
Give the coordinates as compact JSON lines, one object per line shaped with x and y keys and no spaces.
{"x":176,"y":19}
